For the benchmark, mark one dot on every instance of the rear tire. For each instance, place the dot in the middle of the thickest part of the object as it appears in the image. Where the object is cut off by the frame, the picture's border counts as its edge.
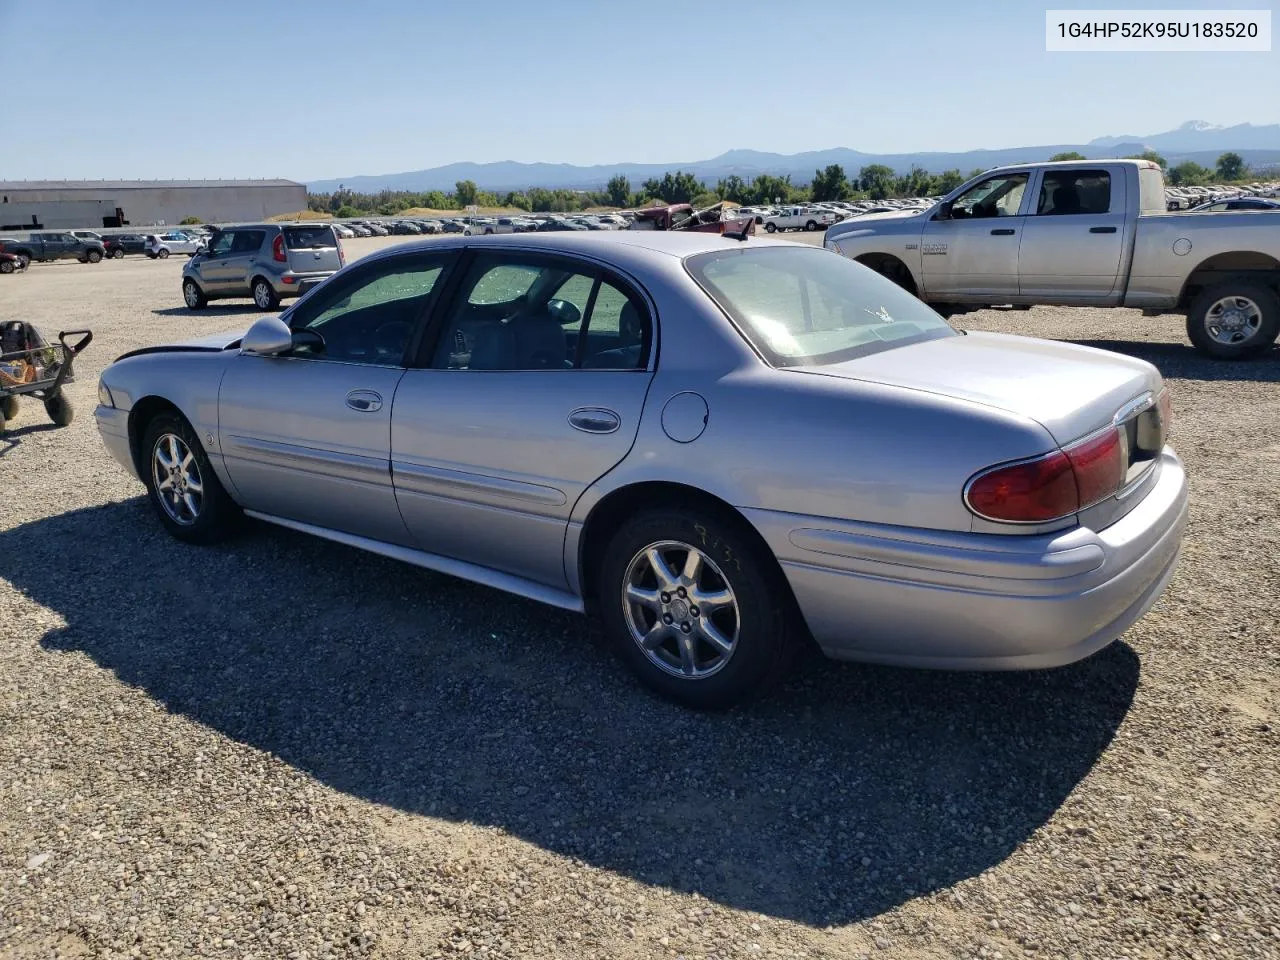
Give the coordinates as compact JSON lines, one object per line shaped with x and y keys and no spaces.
{"x":685,"y":659}
{"x":93,"y":256}
{"x":193,"y":296}
{"x":810,"y":225}
{"x":118,"y":253}
{"x":770,"y":227}
{"x":9,"y":408}
{"x":60,"y":410}
{"x":6,"y":266}
{"x":1235,"y":320}
{"x":162,"y":254}
{"x":199,"y":511}
{"x":265,"y":297}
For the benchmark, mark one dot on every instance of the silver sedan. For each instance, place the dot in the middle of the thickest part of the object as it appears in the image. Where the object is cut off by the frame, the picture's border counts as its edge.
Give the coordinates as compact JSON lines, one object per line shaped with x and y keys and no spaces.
{"x":720,"y":447}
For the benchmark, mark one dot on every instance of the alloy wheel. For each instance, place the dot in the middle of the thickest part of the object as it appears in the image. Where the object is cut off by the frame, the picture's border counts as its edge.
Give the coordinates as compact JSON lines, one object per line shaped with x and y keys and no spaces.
{"x":176,"y":475}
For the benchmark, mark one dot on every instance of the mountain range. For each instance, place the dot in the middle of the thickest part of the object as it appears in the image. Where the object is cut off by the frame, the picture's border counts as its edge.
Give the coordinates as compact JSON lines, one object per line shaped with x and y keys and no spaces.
{"x":1195,"y":140}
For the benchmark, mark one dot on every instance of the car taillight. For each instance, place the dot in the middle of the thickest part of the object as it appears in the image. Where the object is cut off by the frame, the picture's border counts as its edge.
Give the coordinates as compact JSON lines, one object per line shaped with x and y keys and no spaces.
{"x":277,"y":249}
{"x":1053,"y":486}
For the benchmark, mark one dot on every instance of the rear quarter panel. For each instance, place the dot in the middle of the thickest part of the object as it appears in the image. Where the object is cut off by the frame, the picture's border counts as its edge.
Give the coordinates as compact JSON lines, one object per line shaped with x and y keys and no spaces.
{"x":1160,"y":271}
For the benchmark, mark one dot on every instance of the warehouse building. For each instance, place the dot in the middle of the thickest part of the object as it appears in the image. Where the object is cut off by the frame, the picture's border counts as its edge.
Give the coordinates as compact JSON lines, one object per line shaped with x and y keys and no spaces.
{"x":36,"y":204}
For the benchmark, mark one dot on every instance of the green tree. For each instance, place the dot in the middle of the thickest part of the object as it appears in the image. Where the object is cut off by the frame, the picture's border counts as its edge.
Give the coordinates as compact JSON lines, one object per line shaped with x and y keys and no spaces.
{"x":877,"y":180}
{"x":619,"y":189}
{"x":1231,"y":167}
{"x":732,"y":187}
{"x":829,"y":184}
{"x":948,"y":180}
{"x":464,"y":193}
{"x":189,"y":221}
{"x":346,"y":210}
{"x":1068,"y":155}
{"x":767,"y":188}
{"x":705,"y":199}
{"x":1152,"y":156}
{"x":1189,"y":174}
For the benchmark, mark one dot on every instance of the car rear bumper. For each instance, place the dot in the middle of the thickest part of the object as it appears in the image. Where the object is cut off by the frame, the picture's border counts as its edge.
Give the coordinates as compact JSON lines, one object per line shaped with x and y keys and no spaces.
{"x":912,"y":597}
{"x":113,"y":426}
{"x":286,"y":284}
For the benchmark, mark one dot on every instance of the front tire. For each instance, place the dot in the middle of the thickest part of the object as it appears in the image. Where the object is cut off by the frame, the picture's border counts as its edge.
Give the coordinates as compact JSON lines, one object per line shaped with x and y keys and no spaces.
{"x":59,"y":410}
{"x":6,"y":266}
{"x":770,"y":227}
{"x":264,"y":296}
{"x":184,"y":490}
{"x":694,"y":609}
{"x":193,"y":296}
{"x":1235,"y":320}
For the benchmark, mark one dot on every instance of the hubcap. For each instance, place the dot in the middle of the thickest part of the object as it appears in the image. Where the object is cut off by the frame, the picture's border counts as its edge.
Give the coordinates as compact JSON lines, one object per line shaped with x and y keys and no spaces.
{"x":177,"y":479}
{"x":1233,"y":320}
{"x":680,"y":609}
{"x":262,"y":295}
{"x":190,"y":291}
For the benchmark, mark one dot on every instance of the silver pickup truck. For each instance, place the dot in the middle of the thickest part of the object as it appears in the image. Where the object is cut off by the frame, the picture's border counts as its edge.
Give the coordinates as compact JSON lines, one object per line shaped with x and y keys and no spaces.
{"x":1083,"y":233}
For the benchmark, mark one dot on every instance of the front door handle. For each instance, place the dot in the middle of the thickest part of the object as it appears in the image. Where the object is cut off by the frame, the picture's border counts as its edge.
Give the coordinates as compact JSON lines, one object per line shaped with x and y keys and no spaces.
{"x":364,"y":401}
{"x":594,"y":420}
{"x":1102,"y":229}
{"x":1003,"y":232}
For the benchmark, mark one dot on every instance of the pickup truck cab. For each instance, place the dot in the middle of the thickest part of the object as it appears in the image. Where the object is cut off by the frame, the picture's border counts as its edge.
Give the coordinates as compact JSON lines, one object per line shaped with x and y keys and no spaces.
{"x":800,"y":218}
{"x":1082,"y":233}
{"x":41,"y":247}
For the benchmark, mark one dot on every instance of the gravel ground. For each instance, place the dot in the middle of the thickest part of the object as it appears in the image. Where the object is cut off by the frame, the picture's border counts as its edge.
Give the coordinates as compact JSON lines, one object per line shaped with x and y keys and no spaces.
{"x":284,"y":748}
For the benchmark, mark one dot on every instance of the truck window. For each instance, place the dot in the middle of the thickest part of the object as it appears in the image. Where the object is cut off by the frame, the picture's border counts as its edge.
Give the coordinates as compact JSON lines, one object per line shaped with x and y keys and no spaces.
{"x":1066,"y":192}
{"x":998,"y":196}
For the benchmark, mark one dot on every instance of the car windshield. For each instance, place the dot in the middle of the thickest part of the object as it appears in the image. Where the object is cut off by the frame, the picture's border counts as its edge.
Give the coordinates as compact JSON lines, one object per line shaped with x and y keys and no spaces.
{"x":304,"y":238}
{"x":801,"y":306}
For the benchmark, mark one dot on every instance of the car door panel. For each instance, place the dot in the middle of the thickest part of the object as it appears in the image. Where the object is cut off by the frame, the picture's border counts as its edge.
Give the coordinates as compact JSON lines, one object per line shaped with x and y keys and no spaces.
{"x":1074,"y":256}
{"x":975,"y":256}
{"x":295,"y":448}
{"x":487,"y":465}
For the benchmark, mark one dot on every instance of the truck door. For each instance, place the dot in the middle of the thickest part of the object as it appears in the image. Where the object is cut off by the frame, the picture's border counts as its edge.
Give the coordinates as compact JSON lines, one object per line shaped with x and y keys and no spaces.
{"x":969,"y":249}
{"x":1073,"y":240}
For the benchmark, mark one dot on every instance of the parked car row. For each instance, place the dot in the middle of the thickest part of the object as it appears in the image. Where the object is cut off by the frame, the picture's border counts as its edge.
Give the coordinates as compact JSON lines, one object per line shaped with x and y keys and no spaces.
{"x":1186,"y":198}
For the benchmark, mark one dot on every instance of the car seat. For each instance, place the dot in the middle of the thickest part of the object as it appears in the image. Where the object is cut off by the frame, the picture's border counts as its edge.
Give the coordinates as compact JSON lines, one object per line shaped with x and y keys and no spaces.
{"x":628,"y":354}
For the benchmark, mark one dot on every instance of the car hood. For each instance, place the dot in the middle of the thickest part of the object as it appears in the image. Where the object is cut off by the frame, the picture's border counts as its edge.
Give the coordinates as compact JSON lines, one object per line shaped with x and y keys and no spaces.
{"x":1069,"y":390}
{"x":212,"y":343}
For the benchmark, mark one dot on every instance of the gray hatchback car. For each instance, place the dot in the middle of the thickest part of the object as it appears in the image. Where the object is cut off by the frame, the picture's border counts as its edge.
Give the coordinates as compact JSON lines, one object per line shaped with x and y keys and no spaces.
{"x":265,"y":261}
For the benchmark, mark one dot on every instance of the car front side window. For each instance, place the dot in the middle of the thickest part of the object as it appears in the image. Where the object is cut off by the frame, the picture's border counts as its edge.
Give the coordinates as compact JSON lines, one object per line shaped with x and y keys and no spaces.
{"x":370,"y":316}
{"x":998,"y":196}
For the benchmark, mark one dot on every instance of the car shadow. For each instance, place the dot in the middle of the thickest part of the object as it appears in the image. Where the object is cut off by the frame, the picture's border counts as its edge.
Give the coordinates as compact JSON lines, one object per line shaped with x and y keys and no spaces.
{"x":218,"y":310}
{"x":844,"y":794}
{"x":1183,"y":362}
{"x":12,"y":437}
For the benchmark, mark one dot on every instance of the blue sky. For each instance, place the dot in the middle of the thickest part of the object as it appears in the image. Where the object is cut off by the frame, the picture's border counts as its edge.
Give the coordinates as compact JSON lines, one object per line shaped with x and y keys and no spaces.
{"x":233,"y":88}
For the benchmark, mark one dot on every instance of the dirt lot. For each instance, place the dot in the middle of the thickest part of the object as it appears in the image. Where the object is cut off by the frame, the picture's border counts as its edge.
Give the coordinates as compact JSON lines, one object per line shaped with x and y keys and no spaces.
{"x":285,"y":748}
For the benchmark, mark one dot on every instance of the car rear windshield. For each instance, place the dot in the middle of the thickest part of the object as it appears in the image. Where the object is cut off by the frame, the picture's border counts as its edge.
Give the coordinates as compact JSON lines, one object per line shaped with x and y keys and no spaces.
{"x":799,"y":306}
{"x":305,"y":238}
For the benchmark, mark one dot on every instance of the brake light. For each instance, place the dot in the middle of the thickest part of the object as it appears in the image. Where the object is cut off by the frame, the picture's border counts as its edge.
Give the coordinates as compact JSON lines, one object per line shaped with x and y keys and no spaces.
{"x":1053,"y":486}
{"x":277,"y":249}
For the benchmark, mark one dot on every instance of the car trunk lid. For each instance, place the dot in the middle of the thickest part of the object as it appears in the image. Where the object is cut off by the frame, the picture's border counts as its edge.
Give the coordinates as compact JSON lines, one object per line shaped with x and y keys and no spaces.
{"x":1070,"y":390}
{"x":312,"y":248}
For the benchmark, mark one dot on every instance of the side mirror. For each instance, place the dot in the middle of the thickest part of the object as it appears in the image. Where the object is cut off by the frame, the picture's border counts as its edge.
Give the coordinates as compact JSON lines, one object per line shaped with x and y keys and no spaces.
{"x":564,"y":312}
{"x":266,"y":338}
{"x":944,"y":210}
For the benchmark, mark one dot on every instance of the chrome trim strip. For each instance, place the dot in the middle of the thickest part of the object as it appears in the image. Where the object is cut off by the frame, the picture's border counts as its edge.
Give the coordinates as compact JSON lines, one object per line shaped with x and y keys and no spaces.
{"x":418,"y":478}
{"x":431,"y":561}
{"x":288,"y":456}
{"x":1134,"y":407}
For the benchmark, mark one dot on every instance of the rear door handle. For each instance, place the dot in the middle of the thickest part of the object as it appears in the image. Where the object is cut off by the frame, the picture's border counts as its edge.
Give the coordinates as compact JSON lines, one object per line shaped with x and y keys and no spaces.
{"x":594,"y":420}
{"x":1102,"y":229}
{"x":1003,"y":232}
{"x":364,"y":401}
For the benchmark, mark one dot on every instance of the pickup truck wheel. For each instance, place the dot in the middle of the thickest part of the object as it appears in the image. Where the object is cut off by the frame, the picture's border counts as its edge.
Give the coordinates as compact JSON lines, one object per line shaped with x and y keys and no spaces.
{"x":193,"y":295}
{"x":93,"y":256}
{"x":1234,"y":320}
{"x":810,"y":225}
{"x":770,"y":227}
{"x":118,"y":253}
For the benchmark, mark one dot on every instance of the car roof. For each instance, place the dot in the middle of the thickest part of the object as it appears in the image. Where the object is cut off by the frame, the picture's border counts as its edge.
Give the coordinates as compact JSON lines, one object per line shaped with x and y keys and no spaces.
{"x":620,"y":246}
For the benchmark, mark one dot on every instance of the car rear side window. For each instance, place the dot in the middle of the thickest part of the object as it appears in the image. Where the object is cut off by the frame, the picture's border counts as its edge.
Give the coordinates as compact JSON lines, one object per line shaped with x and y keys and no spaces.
{"x":799,"y":306}
{"x":306,"y":238}
{"x":1067,"y":192}
{"x":247,"y":241}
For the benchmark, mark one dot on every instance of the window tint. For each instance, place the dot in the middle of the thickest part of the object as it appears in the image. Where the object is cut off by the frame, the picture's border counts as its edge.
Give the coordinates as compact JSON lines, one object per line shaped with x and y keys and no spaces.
{"x":247,"y":241}
{"x":370,"y":317}
{"x":999,"y":196}
{"x":1067,"y":192}
{"x":221,"y":244}
{"x":543,"y":314}
{"x":304,"y":238}
{"x":803,"y":306}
